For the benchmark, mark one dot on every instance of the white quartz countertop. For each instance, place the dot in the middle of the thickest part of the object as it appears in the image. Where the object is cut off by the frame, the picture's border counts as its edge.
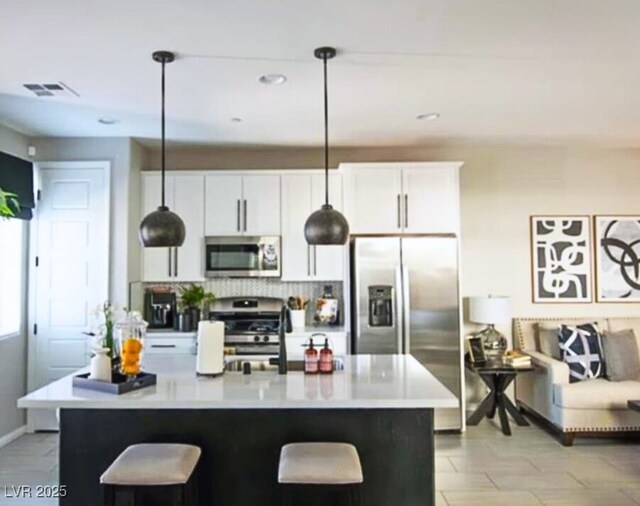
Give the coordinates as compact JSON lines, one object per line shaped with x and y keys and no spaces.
{"x":367,"y":382}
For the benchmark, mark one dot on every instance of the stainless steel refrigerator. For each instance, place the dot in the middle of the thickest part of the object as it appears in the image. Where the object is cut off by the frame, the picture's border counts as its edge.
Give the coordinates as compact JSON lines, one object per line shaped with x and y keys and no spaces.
{"x":405,"y":299}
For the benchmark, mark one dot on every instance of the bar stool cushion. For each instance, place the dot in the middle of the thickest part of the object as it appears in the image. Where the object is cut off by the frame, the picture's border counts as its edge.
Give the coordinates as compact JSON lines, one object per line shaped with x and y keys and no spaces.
{"x":152,"y":464}
{"x":319,"y":464}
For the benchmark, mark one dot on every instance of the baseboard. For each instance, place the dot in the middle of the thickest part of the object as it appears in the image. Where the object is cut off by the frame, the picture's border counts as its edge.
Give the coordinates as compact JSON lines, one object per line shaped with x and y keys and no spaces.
{"x":12,"y":436}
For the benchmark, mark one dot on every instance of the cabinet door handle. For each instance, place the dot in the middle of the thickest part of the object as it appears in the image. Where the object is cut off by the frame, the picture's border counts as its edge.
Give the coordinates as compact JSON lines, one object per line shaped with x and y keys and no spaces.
{"x":315,"y":261}
{"x":175,"y":262}
{"x":406,"y":211}
{"x":163,"y":346}
{"x":245,"y":214}
{"x":308,"y":260}
{"x":399,"y":212}
{"x":169,"y":257}
{"x":238,"y":215}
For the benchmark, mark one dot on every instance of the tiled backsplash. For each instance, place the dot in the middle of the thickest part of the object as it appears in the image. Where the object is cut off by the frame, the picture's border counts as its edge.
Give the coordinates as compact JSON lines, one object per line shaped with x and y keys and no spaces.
{"x":264,"y":287}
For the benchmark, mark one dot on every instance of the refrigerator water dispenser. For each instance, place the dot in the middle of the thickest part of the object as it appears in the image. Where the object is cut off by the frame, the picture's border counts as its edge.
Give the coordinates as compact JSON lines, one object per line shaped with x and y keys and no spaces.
{"x":381,"y":306}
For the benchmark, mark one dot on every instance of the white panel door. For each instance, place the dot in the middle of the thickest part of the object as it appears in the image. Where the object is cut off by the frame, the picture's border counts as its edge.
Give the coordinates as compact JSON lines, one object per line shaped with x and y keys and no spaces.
{"x":223,"y":201}
{"x":71,"y":242}
{"x":261,"y":205}
{"x":374,"y":200}
{"x":188,"y":202}
{"x":327,"y":261}
{"x":296,"y":207}
{"x":156,"y":262}
{"x":430,"y":200}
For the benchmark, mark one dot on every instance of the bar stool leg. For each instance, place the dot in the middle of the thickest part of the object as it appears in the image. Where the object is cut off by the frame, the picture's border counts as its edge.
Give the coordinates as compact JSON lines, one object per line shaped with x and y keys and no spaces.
{"x":355,"y":495}
{"x":109,"y":495}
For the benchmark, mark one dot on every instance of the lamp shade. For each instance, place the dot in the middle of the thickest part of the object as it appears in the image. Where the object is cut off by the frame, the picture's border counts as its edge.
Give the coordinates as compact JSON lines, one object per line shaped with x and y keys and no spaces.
{"x":489,"y":310}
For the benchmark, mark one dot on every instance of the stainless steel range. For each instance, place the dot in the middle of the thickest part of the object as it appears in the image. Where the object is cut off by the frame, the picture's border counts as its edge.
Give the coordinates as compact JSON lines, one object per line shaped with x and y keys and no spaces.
{"x":251,"y":323}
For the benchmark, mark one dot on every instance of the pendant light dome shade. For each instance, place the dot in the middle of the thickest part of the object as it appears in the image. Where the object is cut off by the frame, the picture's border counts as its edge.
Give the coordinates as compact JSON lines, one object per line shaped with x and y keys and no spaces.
{"x":162,"y":228}
{"x":326,"y":226}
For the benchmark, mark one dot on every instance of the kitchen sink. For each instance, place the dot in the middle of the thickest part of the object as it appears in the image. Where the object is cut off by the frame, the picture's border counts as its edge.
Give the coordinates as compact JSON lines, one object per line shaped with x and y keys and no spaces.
{"x":235,"y":364}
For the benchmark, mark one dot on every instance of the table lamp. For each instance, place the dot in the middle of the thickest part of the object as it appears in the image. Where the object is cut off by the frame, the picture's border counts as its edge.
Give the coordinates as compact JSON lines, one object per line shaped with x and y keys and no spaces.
{"x":491,"y":311}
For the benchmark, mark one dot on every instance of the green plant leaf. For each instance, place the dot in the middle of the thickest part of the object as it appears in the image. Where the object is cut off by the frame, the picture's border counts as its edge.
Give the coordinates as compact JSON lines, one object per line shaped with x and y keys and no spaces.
{"x":8,"y":204}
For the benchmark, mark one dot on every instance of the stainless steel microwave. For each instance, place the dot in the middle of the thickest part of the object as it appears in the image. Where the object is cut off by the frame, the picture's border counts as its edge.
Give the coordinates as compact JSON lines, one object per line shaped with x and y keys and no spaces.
{"x":242,"y":257}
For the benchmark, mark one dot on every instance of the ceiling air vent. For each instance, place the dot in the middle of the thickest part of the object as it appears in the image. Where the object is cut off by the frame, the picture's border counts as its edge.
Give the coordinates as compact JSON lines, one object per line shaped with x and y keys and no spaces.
{"x":58,"y":89}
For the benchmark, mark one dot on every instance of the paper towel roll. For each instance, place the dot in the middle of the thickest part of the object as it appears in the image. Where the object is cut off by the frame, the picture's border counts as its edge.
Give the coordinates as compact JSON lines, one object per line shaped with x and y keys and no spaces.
{"x":210,"y":358}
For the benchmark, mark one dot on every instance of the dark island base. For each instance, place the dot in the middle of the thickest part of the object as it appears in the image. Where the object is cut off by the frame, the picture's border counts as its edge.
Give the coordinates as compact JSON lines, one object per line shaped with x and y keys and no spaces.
{"x":241,"y":449}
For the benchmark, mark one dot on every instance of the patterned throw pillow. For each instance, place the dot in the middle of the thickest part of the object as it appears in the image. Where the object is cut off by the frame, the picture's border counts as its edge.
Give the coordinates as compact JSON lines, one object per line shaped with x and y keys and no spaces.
{"x":581,"y":349}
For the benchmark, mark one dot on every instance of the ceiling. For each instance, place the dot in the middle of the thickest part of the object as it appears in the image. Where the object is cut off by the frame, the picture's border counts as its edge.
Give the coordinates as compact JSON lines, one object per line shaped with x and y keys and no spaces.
{"x":559,"y":71}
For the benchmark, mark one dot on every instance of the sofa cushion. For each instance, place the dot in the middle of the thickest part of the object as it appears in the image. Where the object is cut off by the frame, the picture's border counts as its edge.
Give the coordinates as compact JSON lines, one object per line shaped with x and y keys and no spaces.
{"x":621,"y":355}
{"x":596,"y":394}
{"x":548,"y":340}
{"x":582,"y":350}
{"x":617,"y":324}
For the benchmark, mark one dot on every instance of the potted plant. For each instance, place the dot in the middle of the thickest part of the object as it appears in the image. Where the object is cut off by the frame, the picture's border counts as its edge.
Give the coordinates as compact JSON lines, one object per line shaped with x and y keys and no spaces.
{"x":107,"y":315}
{"x":8,"y":204}
{"x":192,"y":299}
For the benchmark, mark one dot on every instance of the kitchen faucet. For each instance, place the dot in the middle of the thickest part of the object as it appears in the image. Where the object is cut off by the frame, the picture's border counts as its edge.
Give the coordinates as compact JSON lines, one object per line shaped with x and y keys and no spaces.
{"x":284,"y":328}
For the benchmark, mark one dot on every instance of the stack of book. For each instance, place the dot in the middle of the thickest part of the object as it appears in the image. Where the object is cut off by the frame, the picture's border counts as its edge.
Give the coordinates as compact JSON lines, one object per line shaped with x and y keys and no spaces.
{"x":516,"y":359}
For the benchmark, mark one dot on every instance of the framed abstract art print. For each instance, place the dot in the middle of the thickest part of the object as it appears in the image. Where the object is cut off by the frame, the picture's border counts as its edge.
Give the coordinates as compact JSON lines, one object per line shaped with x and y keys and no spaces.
{"x":561,"y":259}
{"x":617,"y":258}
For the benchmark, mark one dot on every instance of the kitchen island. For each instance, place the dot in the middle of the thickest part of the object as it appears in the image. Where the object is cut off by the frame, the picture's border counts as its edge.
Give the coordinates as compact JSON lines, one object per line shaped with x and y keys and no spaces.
{"x":383,"y":404}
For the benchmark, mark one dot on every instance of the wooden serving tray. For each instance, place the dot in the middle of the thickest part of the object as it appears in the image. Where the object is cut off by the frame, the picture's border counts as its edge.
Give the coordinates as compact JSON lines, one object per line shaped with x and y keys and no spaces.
{"x":117,"y":387}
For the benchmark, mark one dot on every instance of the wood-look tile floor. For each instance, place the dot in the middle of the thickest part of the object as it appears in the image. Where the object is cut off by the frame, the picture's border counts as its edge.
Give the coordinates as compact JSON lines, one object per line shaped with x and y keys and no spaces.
{"x":481,"y":467}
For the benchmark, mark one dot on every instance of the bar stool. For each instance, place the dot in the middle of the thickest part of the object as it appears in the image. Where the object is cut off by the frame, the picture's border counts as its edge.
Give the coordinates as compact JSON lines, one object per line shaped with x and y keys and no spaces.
{"x":333,"y":466}
{"x":153,"y":466}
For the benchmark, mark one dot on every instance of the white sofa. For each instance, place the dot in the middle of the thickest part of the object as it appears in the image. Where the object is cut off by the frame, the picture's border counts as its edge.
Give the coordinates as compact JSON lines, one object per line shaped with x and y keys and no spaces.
{"x":592,"y":407}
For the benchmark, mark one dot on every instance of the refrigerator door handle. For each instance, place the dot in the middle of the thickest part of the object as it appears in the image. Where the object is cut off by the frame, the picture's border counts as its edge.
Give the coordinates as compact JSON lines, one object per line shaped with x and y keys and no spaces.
{"x":406,"y":306}
{"x":399,"y":311}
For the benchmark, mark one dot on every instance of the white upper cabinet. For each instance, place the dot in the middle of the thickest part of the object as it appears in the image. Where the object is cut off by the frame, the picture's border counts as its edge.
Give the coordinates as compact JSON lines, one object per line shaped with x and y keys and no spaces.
{"x":242,"y":205}
{"x":185,"y":196}
{"x":402,"y":198}
{"x":373,"y":198}
{"x":261,"y":205}
{"x":431,"y":202}
{"x":328,"y":261}
{"x":301,"y":195}
{"x":189,"y":204}
{"x":296,"y":207}
{"x":223,"y":205}
{"x":156,"y":262}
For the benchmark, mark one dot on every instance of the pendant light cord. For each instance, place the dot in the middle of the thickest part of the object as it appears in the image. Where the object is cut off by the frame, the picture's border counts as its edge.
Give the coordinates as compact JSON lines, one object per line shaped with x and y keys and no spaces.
{"x":163,"y":135}
{"x":326,"y":134}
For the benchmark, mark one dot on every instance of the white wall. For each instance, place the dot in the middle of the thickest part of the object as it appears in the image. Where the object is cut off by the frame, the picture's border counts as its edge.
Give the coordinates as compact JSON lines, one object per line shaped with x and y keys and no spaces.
{"x":126,"y":157}
{"x":13,"y":351}
{"x":138,"y":159}
{"x":502,"y":188}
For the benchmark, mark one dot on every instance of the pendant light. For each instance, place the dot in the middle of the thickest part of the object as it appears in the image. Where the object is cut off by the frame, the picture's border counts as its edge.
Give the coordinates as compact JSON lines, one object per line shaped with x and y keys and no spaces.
{"x":326,"y":226}
{"x":162,"y":227}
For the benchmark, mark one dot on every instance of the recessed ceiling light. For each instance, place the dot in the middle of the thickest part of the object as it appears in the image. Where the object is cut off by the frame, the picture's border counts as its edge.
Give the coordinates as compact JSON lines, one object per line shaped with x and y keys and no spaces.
{"x":428,"y":116}
{"x":273,"y":79}
{"x":108,"y":121}
{"x":235,"y":119}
